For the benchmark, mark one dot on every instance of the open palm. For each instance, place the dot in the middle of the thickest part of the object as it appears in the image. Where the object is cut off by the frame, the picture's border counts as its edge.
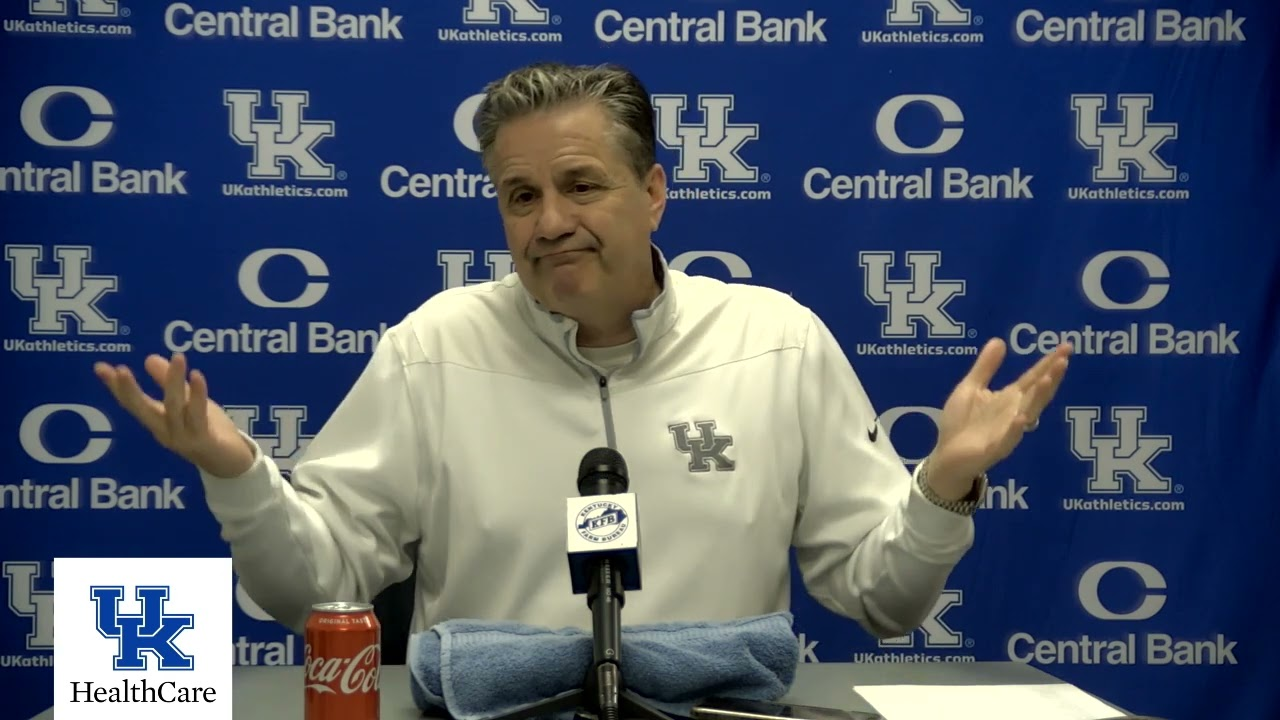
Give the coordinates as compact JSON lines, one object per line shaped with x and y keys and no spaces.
{"x":979,"y":426}
{"x":185,"y":420}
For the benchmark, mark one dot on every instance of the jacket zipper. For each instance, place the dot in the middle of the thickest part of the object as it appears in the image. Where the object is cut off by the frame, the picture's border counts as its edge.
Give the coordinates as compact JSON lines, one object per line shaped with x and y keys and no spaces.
{"x":609,"y":438}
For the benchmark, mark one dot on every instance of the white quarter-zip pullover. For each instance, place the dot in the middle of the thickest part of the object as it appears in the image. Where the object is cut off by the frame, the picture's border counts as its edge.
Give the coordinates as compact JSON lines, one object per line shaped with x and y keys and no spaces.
{"x":744,"y":427}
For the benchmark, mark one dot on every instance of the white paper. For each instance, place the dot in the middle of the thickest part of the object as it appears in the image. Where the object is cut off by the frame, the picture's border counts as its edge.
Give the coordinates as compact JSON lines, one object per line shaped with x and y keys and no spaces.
{"x":1058,"y":701}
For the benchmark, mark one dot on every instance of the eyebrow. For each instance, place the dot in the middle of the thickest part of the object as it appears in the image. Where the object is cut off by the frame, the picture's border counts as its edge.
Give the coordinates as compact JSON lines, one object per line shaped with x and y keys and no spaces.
{"x":584,"y":168}
{"x":581,"y":169}
{"x":510,"y":181}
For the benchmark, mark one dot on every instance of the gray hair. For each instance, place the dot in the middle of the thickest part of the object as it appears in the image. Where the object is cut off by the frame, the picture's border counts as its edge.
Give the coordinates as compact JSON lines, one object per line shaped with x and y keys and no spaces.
{"x":546,"y":85}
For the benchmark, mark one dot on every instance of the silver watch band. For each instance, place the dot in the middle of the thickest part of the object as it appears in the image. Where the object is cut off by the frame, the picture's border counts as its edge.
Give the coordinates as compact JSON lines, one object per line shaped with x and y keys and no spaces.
{"x":966,"y":507}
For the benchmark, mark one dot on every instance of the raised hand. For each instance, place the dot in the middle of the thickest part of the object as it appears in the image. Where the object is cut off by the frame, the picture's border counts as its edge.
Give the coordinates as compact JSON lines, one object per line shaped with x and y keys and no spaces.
{"x":979,"y":426}
{"x":185,"y":421}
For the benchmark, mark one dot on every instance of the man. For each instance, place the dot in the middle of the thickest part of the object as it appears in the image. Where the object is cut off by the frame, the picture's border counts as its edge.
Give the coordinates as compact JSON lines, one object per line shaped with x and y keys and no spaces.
{"x":745,"y":429}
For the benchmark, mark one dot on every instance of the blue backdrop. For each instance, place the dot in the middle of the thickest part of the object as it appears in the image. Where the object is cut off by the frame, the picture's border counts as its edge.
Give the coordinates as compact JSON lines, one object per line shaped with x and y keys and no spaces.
{"x":264,"y":187}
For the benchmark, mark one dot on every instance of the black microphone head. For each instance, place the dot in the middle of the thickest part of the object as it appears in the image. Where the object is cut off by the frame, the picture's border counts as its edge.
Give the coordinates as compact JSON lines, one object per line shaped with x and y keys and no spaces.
{"x":602,"y":472}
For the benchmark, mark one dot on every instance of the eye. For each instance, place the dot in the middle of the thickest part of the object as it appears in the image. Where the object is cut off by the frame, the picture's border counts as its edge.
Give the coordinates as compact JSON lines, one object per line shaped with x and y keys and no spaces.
{"x":521,"y":196}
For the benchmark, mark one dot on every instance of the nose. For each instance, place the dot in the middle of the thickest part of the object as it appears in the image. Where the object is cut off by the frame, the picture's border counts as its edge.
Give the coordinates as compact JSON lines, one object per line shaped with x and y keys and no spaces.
{"x":557,"y":218}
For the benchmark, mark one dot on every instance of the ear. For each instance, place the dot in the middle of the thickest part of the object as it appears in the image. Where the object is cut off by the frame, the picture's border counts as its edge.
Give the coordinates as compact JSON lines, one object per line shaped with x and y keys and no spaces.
{"x":656,"y":188}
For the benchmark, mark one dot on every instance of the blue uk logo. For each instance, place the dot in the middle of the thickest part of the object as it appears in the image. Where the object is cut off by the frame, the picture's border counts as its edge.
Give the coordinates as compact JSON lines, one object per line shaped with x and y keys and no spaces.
{"x":152,"y":631}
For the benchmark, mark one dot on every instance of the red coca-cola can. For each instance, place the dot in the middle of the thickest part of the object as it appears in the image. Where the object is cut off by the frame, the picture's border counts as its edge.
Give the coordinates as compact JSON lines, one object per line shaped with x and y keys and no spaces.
{"x":344,"y":655}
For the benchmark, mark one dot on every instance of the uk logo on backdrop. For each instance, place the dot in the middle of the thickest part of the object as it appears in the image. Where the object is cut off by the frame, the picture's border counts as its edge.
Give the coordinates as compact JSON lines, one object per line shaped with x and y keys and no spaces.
{"x":922,"y":22}
{"x":278,"y":430}
{"x":1126,"y":136}
{"x":281,"y":137}
{"x":1121,"y":449}
{"x":30,"y":597}
{"x":710,"y":158}
{"x":75,"y":18}
{"x":461,"y":268}
{"x":142,"y":638}
{"x":937,"y":635}
{"x":499,"y":21}
{"x":913,"y":295}
{"x":66,"y":299}
{"x":708,"y":138}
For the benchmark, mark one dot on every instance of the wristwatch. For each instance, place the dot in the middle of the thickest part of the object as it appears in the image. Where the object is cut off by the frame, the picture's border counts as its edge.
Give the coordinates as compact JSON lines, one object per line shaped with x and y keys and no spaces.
{"x":967,"y":505}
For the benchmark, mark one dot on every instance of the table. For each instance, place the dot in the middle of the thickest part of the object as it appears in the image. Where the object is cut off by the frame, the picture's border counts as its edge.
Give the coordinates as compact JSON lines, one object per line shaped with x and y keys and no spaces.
{"x":272,"y":693}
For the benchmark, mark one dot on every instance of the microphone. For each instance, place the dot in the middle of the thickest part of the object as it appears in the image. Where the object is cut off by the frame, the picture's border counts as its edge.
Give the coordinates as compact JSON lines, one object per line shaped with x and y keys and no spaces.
{"x":604,"y":539}
{"x":604,"y":561}
{"x":603,"y":529}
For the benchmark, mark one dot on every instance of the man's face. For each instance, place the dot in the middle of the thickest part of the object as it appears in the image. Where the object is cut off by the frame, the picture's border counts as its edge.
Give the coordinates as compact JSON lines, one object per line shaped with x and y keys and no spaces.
{"x":576,"y":218}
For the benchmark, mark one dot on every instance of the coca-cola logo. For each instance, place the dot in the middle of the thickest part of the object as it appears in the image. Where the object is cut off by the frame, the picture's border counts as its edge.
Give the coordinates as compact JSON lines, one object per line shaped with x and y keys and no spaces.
{"x":346,"y":676}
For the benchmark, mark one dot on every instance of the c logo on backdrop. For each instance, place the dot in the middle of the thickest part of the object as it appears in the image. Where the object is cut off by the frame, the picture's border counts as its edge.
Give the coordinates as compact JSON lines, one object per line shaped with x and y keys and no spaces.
{"x":891,"y":416}
{"x":33,"y":116}
{"x":31,"y":434}
{"x":464,"y":119}
{"x":737,"y":267}
{"x":459,"y":266}
{"x":1151,"y":601}
{"x":250,"y":278}
{"x":1157,"y":280}
{"x":950,"y":113}
{"x":248,"y":606}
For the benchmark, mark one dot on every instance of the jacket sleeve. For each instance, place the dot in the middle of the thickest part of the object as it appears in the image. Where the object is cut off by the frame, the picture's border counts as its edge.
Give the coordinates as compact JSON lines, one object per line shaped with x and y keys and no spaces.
{"x":339,"y":528}
{"x":869,"y":545}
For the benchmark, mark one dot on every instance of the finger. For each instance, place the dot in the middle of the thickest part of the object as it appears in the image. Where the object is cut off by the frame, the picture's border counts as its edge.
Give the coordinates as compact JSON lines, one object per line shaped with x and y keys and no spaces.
{"x":109,"y":377}
{"x":1029,"y":415}
{"x":198,"y":404}
{"x":175,"y":394}
{"x":1045,"y":389}
{"x":105,"y":372}
{"x":115,"y":380}
{"x":984,"y":368}
{"x":147,"y":410}
{"x":1044,"y":365}
{"x":1027,"y":381}
{"x":1032,"y":376}
{"x":157,"y":367}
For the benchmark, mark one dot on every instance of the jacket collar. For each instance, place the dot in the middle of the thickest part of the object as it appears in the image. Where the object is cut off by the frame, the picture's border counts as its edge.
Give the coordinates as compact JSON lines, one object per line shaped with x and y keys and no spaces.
{"x":650,"y":323}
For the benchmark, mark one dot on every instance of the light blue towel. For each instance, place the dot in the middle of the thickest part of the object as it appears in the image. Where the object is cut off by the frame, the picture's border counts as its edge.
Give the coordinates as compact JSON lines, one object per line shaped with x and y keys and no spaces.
{"x":475,"y":670}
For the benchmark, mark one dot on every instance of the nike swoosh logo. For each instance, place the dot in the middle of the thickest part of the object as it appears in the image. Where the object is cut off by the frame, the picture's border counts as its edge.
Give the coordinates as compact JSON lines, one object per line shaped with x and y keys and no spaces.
{"x":873,"y":433}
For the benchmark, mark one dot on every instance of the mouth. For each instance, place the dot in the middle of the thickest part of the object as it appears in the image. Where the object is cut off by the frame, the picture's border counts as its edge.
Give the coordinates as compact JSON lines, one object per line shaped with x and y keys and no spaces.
{"x":565,"y":254}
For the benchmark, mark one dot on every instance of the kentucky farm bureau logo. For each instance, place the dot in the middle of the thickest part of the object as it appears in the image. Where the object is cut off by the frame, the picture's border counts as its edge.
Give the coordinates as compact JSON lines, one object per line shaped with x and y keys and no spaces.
{"x":602,"y":522}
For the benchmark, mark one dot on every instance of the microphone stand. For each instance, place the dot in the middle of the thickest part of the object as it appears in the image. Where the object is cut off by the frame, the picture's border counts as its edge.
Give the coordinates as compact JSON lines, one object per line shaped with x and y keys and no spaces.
{"x":604,"y":694}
